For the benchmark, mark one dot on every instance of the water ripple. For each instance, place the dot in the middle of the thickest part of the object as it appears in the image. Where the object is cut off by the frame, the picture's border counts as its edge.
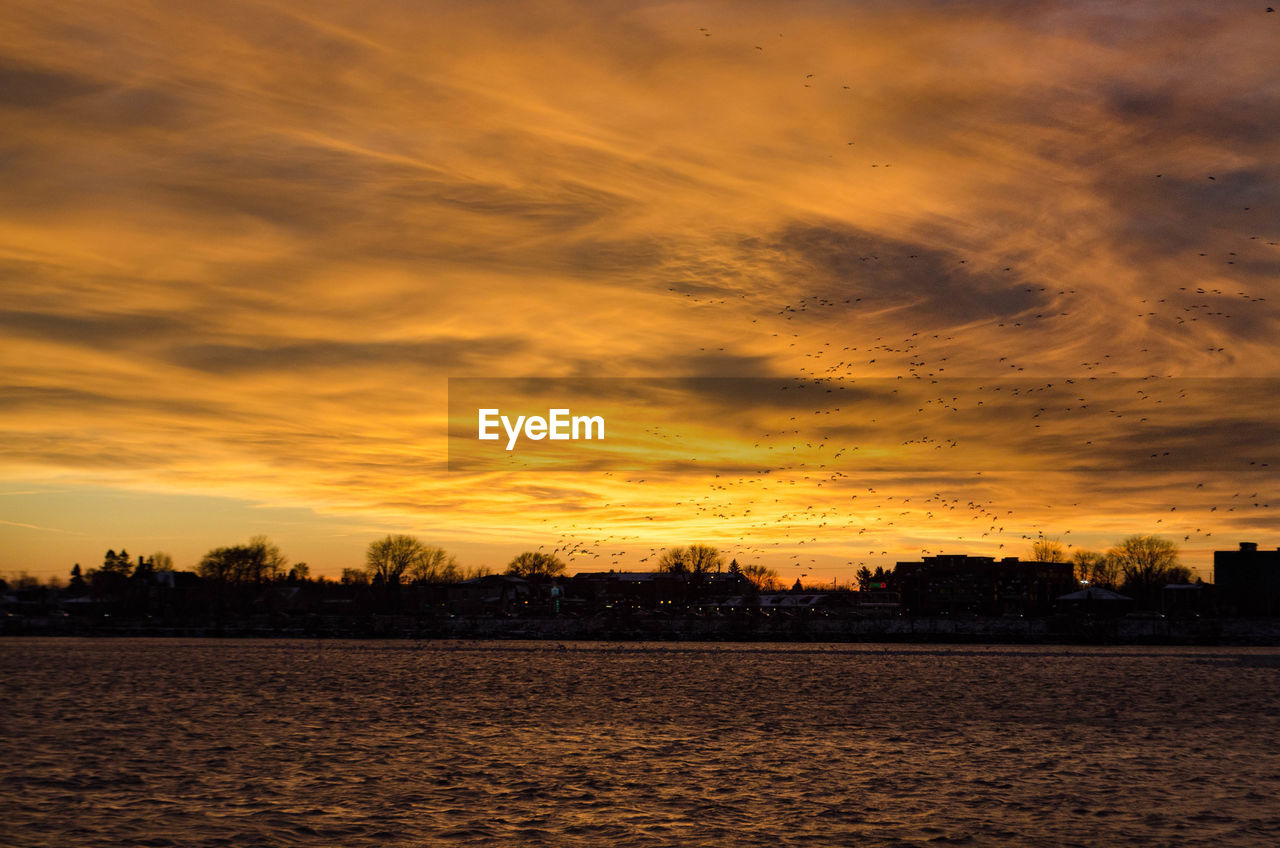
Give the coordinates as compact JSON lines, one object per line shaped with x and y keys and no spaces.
{"x":291,"y":743}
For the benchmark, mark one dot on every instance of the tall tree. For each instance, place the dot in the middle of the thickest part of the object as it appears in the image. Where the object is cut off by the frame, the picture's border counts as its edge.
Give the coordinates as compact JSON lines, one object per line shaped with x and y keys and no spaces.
{"x":355,"y":577}
{"x":535,"y":564}
{"x":1147,"y":563}
{"x":260,"y":561}
{"x":1048,"y":550}
{"x":695,"y":559}
{"x":1096,"y":568}
{"x":763,"y":578}
{"x":435,"y":565}
{"x":117,"y":563}
{"x":388,"y":559}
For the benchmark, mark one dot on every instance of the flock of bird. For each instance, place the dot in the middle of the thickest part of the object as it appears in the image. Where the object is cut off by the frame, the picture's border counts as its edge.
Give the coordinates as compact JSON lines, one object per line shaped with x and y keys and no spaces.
{"x":799,"y":499}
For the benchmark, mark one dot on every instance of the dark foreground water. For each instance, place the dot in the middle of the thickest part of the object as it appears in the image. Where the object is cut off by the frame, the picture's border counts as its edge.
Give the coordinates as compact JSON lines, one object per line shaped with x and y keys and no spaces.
{"x":243,"y":743}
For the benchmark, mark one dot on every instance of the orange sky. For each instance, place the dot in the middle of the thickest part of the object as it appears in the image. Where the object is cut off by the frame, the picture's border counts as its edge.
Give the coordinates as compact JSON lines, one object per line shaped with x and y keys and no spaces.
{"x":245,"y":245}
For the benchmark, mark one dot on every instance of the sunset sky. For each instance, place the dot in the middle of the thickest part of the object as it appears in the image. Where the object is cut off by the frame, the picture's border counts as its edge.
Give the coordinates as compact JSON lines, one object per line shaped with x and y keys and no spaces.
{"x":245,"y":246}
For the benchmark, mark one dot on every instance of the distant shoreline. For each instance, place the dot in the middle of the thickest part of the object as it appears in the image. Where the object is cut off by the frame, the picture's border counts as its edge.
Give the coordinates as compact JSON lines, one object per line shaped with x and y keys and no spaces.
{"x":1255,"y":632}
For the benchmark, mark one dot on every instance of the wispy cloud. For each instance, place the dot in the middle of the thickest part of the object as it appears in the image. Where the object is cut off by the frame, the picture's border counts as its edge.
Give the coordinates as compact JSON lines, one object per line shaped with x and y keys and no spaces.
{"x":242,"y":247}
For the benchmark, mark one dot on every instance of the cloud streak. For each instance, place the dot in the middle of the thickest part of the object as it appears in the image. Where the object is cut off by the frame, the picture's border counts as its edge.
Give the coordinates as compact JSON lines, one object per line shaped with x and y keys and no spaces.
{"x":244,"y":247}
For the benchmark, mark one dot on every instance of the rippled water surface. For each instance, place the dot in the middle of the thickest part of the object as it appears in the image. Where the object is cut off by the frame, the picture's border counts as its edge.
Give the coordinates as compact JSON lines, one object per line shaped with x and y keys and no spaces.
{"x":240,"y":743}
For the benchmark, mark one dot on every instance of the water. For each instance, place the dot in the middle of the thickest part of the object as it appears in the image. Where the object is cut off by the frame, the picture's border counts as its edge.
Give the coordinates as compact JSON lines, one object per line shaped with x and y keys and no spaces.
{"x":245,"y":743}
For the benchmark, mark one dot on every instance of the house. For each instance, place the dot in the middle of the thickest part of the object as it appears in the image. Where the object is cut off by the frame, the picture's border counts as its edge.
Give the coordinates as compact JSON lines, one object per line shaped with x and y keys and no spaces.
{"x":1096,"y":601}
{"x":647,"y":590}
{"x":493,"y":594}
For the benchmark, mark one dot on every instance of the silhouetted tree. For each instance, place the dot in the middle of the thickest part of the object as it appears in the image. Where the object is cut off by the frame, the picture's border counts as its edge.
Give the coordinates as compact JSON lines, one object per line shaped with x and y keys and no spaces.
{"x":388,"y":559}
{"x":117,"y":563}
{"x":112,"y":578}
{"x":260,"y":561}
{"x":24,"y":581}
{"x":355,"y":577}
{"x":435,"y":565}
{"x":695,"y":559}
{"x":763,"y":578}
{"x":161,"y":561}
{"x":1096,"y":568}
{"x":535,"y":564}
{"x":1147,"y":563}
{"x":864,"y":578}
{"x":1048,"y":550}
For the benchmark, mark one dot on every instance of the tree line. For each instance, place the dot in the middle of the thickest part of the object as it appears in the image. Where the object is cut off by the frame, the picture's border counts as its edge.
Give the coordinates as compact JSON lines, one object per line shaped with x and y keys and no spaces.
{"x":397,"y":558}
{"x":1137,"y":564}
{"x":393,"y":560}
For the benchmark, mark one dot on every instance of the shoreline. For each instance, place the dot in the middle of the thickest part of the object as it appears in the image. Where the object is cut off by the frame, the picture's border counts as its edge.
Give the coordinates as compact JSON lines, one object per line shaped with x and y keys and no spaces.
{"x":1241,"y":632}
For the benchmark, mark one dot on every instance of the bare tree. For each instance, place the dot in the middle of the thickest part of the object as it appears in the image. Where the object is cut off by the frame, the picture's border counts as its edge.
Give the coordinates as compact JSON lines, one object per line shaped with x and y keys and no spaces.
{"x":23,"y":581}
{"x":388,"y":559}
{"x":435,"y":565}
{"x":763,"y":578}
{"x":535,"y":564}
{"x":355,"y":577}
{"x":695,"y":559}
{"x":219,"y":564}
{"x":1048,"y":550}
{"x":1096,"y":568}
{"x":260,"y":561}
{"x":1147,"y":563}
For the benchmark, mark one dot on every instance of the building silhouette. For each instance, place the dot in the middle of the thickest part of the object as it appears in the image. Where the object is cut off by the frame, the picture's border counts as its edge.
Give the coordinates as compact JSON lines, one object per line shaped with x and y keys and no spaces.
{"x":958,"y":584}
{"x":1247,"y":581}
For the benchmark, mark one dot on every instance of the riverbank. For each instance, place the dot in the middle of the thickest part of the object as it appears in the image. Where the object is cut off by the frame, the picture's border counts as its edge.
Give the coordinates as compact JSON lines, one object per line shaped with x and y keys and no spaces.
{"x":1059,"y":630}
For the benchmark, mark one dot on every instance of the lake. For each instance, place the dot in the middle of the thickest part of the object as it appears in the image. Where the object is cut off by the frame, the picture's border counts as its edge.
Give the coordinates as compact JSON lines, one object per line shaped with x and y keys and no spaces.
{"x":173,"y":742}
